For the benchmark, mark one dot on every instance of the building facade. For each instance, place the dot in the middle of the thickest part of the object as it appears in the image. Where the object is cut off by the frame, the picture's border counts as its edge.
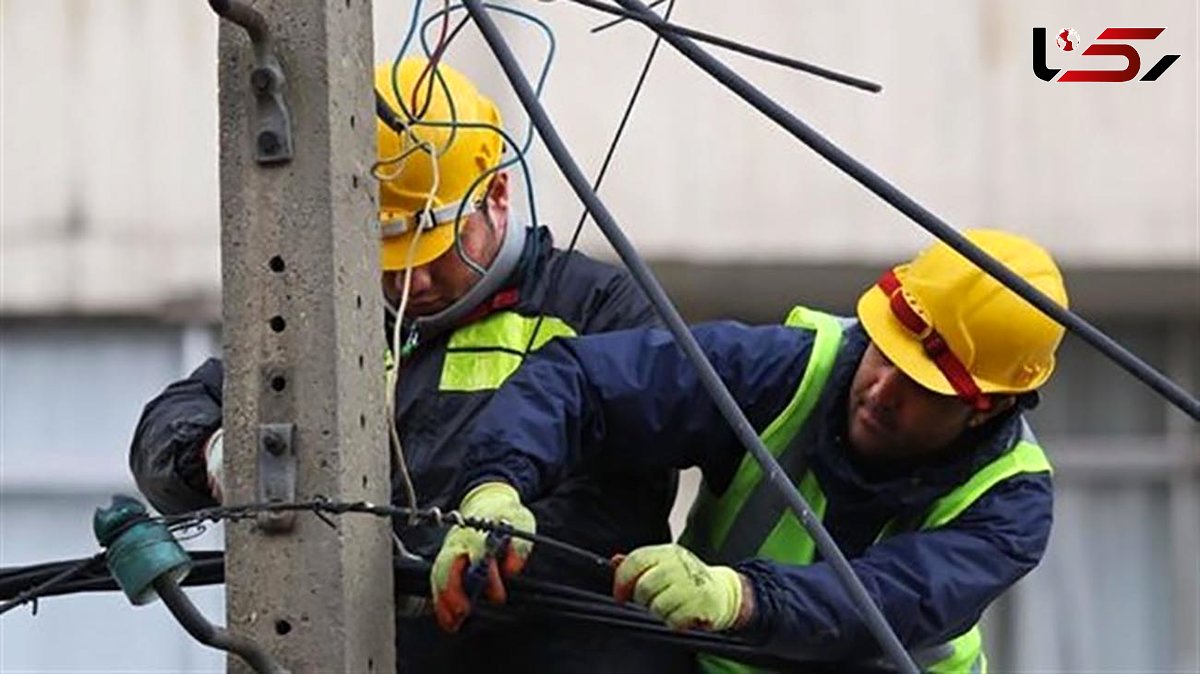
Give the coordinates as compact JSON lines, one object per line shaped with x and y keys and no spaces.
{"x":110,"y":258}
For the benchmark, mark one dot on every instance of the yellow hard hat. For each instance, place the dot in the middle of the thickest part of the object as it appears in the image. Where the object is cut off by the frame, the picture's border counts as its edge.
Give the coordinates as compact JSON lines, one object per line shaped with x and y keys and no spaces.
{"x":955,"y":330}
{"x":406,"y":166}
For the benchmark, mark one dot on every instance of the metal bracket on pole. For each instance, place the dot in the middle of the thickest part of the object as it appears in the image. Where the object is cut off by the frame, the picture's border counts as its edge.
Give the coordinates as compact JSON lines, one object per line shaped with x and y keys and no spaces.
{"x":272,"y":121}
{"x":276,"y":474}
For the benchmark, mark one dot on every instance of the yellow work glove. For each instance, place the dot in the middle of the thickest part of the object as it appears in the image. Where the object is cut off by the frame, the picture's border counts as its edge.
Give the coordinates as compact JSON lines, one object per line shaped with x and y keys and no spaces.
{"x":463,"y":546}
{"x":679,"y":588}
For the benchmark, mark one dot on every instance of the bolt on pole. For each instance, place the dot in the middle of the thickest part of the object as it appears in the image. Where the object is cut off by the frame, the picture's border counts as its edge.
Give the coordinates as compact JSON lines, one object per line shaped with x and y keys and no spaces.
{"x":303,"y":340}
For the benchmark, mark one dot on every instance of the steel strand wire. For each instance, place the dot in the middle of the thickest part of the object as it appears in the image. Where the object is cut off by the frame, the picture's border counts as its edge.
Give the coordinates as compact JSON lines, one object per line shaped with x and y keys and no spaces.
{"x":746,"y":434}
{"x":917,"y":213}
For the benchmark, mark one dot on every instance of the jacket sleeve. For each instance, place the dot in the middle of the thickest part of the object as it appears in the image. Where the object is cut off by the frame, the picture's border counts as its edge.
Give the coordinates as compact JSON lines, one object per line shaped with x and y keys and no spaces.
{"x":167,"y":453}
{"x":931,"y":585}
{"x":631,"y":400}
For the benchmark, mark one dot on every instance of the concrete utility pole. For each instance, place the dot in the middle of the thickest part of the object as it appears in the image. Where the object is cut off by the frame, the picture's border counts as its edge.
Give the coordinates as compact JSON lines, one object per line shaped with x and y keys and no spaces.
{"x":304,"y":349}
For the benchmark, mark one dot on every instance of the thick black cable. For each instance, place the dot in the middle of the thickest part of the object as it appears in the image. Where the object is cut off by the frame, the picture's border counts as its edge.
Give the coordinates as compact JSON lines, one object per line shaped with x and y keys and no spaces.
{"x":662,"y":26}
{"x":746,"y":434}
{"x":527,"y":597}
{"x":927,"y":220}
{"x":47,"y":586}
{"x":609,"y":24}
{"x":208,"y":568}
{"x":608,"y":156}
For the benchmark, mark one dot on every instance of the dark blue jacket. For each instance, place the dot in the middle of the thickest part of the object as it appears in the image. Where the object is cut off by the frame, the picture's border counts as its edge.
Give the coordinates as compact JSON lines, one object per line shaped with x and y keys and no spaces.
{"x":631,"y":400}
{"x":607,"y":513}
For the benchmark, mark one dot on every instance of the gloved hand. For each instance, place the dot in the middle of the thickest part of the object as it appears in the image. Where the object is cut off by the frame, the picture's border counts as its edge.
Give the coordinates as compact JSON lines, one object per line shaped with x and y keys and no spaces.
{"x":679,"y":588}
{"x":463,"y":546}
{"x":214,"y":462}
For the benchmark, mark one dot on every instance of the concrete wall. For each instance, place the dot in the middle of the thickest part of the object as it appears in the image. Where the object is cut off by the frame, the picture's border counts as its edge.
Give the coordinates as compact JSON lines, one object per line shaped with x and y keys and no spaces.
{"x":109,"y":140}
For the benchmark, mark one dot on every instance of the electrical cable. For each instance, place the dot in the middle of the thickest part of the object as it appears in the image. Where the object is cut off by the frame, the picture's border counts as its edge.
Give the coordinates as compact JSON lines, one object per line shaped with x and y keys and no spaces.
{"x":392,"y":377}
{"x":609,"y":24}
{"x":651,"y":20}
{"x":408,"y":131}
{"x":520,"y":154}
{"x":432,"y":62}
{"x":608,"y":156}
{"x":774,"y":474}
{"x":529,"y":598}
{"x":47,"y":585}
{"x":393,"y":121}
{"x":917,"y":213}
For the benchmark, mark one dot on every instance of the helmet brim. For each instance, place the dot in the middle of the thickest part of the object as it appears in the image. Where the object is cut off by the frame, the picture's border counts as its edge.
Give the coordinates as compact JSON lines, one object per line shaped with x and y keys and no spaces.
{"x":397,"y":253}
{"x":904,"y":350}
{"x":897,"y":343}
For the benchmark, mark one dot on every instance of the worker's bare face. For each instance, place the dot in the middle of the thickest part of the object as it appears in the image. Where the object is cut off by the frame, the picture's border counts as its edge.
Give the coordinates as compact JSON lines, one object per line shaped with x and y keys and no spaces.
{"x":892,"y":417}
{"x":437,"y":285}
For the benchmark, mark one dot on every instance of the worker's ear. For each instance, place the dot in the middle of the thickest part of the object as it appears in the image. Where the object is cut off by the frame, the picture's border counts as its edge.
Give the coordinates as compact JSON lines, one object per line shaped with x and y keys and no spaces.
{"x":497,"y":194}
{"x":1000,"y":405}
{"x":495,"y":204}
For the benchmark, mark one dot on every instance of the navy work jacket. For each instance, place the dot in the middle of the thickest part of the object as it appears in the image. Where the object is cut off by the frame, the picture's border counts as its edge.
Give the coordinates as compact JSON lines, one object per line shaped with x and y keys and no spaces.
{"x":631,"y":399}
{"x":607,"y":512}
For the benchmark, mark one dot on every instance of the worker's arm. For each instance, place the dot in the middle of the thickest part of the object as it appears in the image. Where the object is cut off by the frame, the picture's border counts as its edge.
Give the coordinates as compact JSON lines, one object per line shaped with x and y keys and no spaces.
{"x":167,"y":453}
{"x":931,"y":585}
{"x":631,"y":400}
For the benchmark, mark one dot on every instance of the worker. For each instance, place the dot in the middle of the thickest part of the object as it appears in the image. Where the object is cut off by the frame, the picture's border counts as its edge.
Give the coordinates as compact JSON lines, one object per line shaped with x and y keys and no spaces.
{"x":474,"y":285}
{"x":904,"y":429}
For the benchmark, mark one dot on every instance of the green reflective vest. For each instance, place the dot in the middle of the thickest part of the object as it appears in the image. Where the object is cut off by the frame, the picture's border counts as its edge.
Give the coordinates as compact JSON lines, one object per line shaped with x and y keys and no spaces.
{"x":744,"y":521}
{"x":482,"y":355}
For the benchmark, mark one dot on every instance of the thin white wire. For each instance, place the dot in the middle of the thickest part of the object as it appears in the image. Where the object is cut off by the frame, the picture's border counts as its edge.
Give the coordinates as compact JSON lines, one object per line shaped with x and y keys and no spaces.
{"x":393,"y":375}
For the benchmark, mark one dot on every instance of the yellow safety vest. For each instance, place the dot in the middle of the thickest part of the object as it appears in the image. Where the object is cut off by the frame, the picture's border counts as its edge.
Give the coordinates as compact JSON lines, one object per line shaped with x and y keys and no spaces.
{"x":762,"y":531}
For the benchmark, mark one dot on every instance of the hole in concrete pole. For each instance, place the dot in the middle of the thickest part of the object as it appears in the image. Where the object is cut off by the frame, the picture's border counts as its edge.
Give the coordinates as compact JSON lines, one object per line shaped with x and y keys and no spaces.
{"x":354,"y":181}
{"x":370,"y":661}
{"x":353,"y":119}
{"x":277,"y":323}
{"x":282,"y":627}
{"x":364,"y":481}
{"x":278,"y":383}
{"x":362,"y":421}
{"x":360,"y":361}
{"x":358,"y":301}
{"x":276,"y":264}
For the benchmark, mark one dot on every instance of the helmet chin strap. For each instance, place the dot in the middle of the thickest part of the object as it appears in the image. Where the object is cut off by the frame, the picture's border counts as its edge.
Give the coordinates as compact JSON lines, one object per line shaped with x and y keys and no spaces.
{"x":492,"y":280}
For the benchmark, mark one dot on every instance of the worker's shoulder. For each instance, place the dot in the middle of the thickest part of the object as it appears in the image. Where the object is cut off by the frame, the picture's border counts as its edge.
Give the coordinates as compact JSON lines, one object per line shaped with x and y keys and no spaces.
{"x":574,"y":267}
{"x":590,"y":295}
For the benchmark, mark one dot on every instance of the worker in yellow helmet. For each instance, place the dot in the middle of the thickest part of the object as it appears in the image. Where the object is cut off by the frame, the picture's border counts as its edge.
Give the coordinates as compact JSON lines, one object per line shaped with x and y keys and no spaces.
{"x":903,"y":429}
{"x":476,"y":288}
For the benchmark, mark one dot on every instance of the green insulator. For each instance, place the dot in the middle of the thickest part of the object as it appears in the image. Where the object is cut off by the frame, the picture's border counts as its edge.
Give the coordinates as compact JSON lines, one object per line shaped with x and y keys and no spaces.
{"x":138,"y":549}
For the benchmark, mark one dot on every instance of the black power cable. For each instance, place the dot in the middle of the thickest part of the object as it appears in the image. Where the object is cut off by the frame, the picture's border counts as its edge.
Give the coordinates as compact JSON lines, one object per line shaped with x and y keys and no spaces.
{"x":663,"y":27}
{"x":608,"y":156}
{"x":529,"y":599}
{"x":46,"y":586}
{"x":903,"y":203}
{"x":874,"y":619}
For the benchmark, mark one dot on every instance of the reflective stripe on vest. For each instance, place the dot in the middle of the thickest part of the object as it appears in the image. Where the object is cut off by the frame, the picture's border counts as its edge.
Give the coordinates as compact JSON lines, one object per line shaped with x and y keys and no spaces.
{"x":712,"y":517}
{"x":480,"y":356}
{"x":781,"y":537}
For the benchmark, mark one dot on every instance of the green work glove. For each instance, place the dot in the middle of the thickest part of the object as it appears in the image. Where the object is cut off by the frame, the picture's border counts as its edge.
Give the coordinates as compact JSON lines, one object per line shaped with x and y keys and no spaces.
{"x":679,"y":588}
{"x":495,"y":501}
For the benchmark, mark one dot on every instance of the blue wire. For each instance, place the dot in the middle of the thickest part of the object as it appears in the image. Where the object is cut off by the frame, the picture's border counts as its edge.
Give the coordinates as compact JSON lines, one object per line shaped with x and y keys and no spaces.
{"x":519,"y":151}
{"x":412,"y":28}
{"x":551,"y":49}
